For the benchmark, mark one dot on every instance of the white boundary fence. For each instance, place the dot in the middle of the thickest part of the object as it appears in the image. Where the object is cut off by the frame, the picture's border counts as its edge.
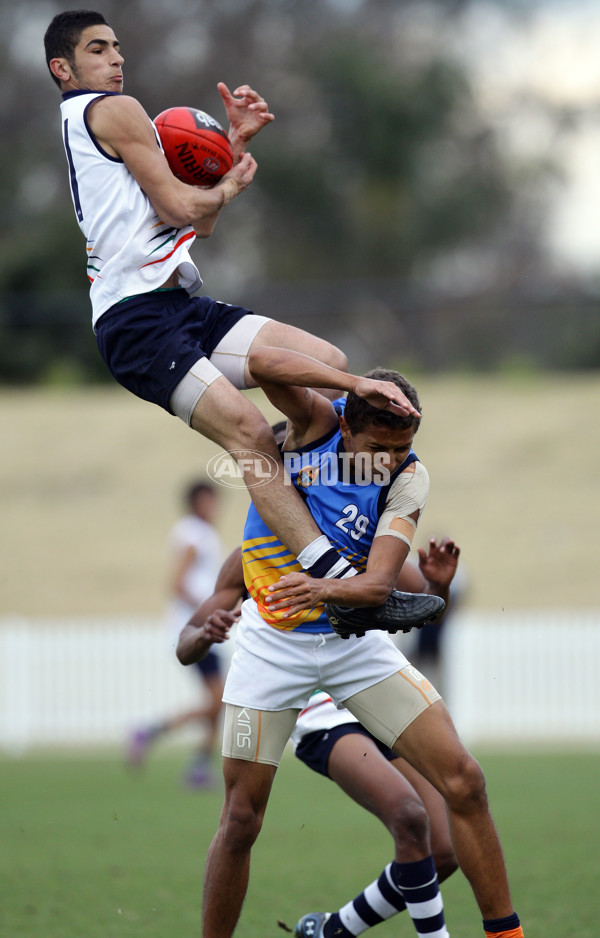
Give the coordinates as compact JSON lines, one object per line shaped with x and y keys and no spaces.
{"x":528,"y":676}
{"x":525,"y":676}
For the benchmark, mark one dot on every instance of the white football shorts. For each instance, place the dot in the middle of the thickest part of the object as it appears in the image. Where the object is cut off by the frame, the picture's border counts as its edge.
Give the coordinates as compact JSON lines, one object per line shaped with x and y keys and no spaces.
{"x":273,"y":669}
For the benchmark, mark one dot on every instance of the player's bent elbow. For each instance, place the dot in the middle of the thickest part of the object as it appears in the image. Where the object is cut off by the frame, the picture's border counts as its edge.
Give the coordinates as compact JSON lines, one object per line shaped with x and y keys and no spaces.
{"x":379,"y":595}
{"x":373,"y":592}
{"x":177,"y":217}
{"x":185,"y":649}
{"x":205,"y":228}
{"x":183,"y":655}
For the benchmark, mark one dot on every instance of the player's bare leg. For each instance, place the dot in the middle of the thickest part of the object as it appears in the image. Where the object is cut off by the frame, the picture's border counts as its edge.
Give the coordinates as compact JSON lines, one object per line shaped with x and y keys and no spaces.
{"x":280,"y":335}
{"x":247,"y":789}
{"x":431,"y":744}
{"x":441,"y":839}
{"x":228,"y":418}
{"x":384,"y":788}
{"x":357,"y":766}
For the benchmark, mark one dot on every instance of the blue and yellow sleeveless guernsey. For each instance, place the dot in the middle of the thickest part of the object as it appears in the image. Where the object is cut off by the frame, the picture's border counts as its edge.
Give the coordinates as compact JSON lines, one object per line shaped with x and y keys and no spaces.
{"x":346,"y":511}
{"x":130,"y":250}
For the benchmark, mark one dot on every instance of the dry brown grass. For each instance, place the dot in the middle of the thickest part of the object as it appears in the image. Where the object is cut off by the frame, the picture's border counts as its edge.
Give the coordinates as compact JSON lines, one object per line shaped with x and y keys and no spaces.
{"x":90,"y":483}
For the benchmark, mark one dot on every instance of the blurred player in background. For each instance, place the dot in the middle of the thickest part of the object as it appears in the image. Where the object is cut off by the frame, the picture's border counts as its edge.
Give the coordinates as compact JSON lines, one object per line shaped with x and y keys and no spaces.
{"x":333,"y":743}
{"x":185,"y":353}
{"x":195,"y":556}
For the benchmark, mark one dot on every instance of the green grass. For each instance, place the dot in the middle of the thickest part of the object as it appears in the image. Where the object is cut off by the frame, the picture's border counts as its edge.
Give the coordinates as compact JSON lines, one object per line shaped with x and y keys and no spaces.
{"x":89,"y":850}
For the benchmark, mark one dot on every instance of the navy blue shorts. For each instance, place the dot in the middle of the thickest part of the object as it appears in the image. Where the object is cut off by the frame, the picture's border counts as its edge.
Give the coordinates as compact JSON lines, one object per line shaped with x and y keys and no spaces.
{"x":210,"y":665}
{"x":149,"y":342}
{"x":315,"y":748}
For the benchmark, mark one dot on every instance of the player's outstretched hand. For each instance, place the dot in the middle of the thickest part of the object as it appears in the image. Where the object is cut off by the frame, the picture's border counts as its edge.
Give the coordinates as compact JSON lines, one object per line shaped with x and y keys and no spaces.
{"x":246,"y":110}
{"x":438,"y":564}
{"x":216,"y":627}
{"x":385,"y":395}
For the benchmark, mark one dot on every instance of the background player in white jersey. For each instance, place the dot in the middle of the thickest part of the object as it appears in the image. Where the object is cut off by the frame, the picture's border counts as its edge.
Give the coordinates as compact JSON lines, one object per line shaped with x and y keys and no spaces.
{"x":188,"y":354}
{"x":332,"y":742}
{"x":195,"y":554}
{"x":285,"y":650}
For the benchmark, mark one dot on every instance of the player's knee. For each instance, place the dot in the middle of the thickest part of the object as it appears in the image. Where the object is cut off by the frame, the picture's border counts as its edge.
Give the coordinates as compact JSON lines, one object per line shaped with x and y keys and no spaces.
{"x":240,"y":825}
{"x":409,"y":822}
{"x":248,"y":430}
{"x":465,"y":788}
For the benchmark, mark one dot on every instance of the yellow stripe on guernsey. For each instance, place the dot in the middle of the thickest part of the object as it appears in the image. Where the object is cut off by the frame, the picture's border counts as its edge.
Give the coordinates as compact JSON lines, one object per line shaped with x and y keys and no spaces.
{"x":266,"y":560}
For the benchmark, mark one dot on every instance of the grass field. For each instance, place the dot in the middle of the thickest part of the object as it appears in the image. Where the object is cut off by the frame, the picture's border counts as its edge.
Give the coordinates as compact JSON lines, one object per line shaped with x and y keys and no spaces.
{"x":90,"y":482}
{"x":89,"y":850}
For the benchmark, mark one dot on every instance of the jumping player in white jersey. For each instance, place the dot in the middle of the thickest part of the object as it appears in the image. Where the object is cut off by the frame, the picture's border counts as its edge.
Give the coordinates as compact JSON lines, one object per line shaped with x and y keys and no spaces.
{"x":188,"y":354}
{"x":285,"y":649}
{"x":332,"y":742}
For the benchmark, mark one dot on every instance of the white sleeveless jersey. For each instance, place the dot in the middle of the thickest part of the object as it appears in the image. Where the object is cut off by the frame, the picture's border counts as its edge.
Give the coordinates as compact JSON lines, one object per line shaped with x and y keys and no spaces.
{"x":130,"y":250}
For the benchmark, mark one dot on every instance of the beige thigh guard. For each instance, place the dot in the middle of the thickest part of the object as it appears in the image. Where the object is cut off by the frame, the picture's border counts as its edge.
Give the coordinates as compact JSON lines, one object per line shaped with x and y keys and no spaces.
{"x":190,"y":389}
{"x":387,"y":708}
{"x":257,"y":735}
{"x":231,"y":354}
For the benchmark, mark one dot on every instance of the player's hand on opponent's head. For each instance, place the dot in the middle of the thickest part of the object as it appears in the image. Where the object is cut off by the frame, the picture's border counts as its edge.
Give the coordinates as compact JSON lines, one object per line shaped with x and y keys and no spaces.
{"x":246,"y":110}
{"x":385,"y":395}
{"x":438,"y":564}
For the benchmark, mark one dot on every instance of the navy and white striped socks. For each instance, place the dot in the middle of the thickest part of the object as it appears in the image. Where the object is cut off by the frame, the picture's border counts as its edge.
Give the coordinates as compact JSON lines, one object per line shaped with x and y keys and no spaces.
{"x":412,"y":886}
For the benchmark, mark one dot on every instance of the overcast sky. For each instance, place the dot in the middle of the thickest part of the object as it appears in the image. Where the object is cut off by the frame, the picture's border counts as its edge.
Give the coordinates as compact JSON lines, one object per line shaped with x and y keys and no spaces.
{"x":552,"y":55}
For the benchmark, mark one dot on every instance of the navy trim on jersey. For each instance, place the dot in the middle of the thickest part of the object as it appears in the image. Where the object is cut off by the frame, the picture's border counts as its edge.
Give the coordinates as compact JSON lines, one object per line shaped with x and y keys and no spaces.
{"x":72,"y":173}
{"x":314,"y":443}
{"x":99,"y":94}
{"x":73,"y":94}
{"x":101,"y":150}
{"x":412,"y":457}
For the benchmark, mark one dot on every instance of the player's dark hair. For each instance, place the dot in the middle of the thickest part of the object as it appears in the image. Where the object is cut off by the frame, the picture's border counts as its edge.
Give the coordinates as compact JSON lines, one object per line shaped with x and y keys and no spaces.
{"x":64,"y":33}
{"x":198,"y":488}
{"x":360,"y":415}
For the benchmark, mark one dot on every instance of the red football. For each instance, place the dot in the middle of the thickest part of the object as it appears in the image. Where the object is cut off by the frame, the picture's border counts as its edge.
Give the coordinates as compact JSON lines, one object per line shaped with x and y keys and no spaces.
{"x":195,"y":145}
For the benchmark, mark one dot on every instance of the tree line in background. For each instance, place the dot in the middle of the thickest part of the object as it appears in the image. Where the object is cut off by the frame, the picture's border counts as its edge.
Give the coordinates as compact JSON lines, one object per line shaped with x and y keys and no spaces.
{"x":383,"y":207}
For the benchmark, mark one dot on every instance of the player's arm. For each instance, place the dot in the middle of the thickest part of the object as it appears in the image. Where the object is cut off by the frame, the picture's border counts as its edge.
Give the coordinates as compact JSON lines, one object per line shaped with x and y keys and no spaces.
{"x":299,"y":591}
{"x":123,"y":128}
{"x":247,"y":113}
{"x":211,"y":622}
{"x":391,"y":545}
{"x":276,"y":369}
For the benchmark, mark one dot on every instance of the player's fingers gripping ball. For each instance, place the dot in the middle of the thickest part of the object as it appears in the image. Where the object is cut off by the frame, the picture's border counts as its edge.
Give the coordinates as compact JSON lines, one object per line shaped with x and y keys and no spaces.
{"x":197,"y":148}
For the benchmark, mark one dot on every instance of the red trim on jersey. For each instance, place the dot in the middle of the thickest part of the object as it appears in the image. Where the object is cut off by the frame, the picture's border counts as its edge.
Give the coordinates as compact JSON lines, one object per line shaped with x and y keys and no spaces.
{"x":182,"y":240}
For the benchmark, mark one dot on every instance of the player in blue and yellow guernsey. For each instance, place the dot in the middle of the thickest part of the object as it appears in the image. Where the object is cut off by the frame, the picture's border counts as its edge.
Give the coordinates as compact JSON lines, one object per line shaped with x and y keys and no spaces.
{"x":345,"y":508}
{"x":367,"y":490}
